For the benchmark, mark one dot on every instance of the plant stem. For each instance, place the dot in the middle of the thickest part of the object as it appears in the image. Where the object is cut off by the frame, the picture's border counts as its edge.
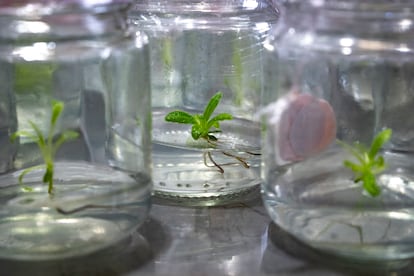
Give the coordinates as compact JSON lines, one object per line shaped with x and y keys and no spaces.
{"x":49,"y":172}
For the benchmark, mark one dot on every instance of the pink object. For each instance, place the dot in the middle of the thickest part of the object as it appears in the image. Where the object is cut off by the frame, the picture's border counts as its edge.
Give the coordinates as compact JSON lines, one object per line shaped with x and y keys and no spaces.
{"x":303,"y":125}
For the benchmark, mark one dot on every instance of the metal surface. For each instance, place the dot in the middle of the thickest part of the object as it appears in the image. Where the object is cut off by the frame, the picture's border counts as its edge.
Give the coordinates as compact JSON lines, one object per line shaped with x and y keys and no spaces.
{"x":237,"y":239}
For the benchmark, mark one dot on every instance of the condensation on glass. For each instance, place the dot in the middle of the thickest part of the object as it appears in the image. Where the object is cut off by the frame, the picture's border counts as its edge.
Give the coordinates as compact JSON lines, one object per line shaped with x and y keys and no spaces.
{"x":338,"y":138}
{"x":74,"y":127}
{"x":198,"y":49}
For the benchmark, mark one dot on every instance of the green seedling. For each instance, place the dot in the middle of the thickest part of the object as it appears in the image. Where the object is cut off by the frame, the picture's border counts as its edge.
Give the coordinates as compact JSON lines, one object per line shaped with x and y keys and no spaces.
{"x":370,"y":163}
{"x":34,"y":77}
{"x":204,"y":126}
{"x":48,"y":146}
{"x":167,"y":53}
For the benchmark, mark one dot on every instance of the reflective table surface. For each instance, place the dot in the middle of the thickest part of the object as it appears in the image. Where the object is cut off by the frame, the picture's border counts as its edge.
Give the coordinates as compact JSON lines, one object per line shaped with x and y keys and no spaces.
{"x":236,"y":239}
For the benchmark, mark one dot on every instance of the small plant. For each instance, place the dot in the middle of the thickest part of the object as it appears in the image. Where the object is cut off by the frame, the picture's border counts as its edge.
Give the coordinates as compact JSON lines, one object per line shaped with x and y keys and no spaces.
{"x":48,"y":146}
{"x":204,"y":126}
{"x":370,"y":163}
{"x":167,"y":53}
{"x":34,"y":77}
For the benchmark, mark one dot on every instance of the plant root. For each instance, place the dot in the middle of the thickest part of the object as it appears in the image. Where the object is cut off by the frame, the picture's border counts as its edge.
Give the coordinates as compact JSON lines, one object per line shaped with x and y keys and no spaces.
{"x":238,"y":158}
{"x":207,"y":156}
{"x":210,"y":157}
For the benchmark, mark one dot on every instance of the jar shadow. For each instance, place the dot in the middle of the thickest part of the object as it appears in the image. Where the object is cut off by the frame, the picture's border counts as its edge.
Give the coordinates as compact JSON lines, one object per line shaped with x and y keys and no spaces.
{"x":216,"y":241}
{"x":302,"y":259}
{"x":134,"y":252}
{"x":247,"y":196}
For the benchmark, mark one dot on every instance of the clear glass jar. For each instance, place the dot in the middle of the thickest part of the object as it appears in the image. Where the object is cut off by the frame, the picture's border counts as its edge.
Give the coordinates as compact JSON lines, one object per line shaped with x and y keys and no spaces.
{"x":338,"y":141}
{"x":200,"y":48}
{"x":75,"y":127}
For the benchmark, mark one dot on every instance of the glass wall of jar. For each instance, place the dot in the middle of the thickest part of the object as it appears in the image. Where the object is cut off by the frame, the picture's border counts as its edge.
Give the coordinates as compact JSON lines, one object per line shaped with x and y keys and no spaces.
{"x":338,"y":138}
{"x":74,"y":127}
{"x":206,"y":68}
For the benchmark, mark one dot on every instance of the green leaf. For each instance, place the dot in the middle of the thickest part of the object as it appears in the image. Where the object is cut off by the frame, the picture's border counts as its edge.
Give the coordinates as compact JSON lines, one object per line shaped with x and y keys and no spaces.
{"x":199,"y":120}
{"x":196,"y":132}
{"x":370,"y":184}
{"x":353,"y":166}
{"x":65,"y":136}
{"x":215,"y":124}
{"x":211,"y":106}
{"x":23,"y":133}
{"x":220,"y":117}
{"x":34,"y":76}
{"x":41,"y":139}
{"x":355,"y":150}
{"x":69,"y":135}
{"x":27,"y":189}
{"x":167,"y":55}
{"x":381,"y":138}
{"x":379,"y":165}
{"x":179,"y":116}
{"x":57,"y":108}
{"x":360,"y":148}
{"x":26,"y":171}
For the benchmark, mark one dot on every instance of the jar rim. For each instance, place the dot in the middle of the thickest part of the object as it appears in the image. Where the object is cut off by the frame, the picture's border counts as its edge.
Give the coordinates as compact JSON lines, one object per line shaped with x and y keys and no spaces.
{"x":39,"y":8}
{"x":359,"y":5}
{"x":206,"y":7}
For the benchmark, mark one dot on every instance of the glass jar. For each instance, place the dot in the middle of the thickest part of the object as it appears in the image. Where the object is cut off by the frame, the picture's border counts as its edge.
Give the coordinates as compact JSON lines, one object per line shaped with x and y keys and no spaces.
{"x":338,"y":141}
{"x":75,"y":127}
{"x":204,"y":50}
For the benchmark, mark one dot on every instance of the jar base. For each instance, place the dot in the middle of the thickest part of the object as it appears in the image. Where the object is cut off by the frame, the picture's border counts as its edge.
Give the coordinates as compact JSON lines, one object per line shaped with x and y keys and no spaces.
{"x":91,"y":208}
{"x":362,"y":236}
{"x":207,"y":199}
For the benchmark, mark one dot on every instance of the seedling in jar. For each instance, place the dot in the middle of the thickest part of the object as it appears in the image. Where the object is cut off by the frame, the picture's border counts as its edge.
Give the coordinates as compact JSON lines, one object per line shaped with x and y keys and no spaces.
{"x":204,"y":126}
{"x":48,"y":146}
{"x":369,"y":162}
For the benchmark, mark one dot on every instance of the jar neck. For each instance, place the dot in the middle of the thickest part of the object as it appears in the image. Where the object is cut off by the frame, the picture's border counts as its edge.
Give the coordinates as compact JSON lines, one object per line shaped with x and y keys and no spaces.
{"x":369,"y":17}
{"x":211,"y":6}
{"x":193,"y":14}
{"x":65,"y":20}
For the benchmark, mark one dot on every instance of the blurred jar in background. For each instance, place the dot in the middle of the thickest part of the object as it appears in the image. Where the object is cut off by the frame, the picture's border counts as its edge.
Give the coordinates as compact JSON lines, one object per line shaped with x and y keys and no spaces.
{"x":204,"y":50}
{"x":338,"y":136}
{"x":74,"y":127}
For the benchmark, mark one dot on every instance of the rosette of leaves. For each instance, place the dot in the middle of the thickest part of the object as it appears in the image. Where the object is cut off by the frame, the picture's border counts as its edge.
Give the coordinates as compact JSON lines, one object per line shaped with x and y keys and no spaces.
{"x":203,"y":125}
{"x":47,"y":144}
{"x":369,"y":162}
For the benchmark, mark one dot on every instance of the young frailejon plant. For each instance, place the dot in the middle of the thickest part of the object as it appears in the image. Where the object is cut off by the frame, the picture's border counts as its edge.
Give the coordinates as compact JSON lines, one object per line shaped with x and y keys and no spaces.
{"x":204,"y":126}
{"x":48,"y":145}
{"x":34,"y":77}
{"x":370,"y":163}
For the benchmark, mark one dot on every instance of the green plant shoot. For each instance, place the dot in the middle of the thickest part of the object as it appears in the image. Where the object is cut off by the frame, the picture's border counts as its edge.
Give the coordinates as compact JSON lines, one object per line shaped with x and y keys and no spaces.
{"x":370,"y":163}
{"x":202,"y":126}
{"x":48,"y":146}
